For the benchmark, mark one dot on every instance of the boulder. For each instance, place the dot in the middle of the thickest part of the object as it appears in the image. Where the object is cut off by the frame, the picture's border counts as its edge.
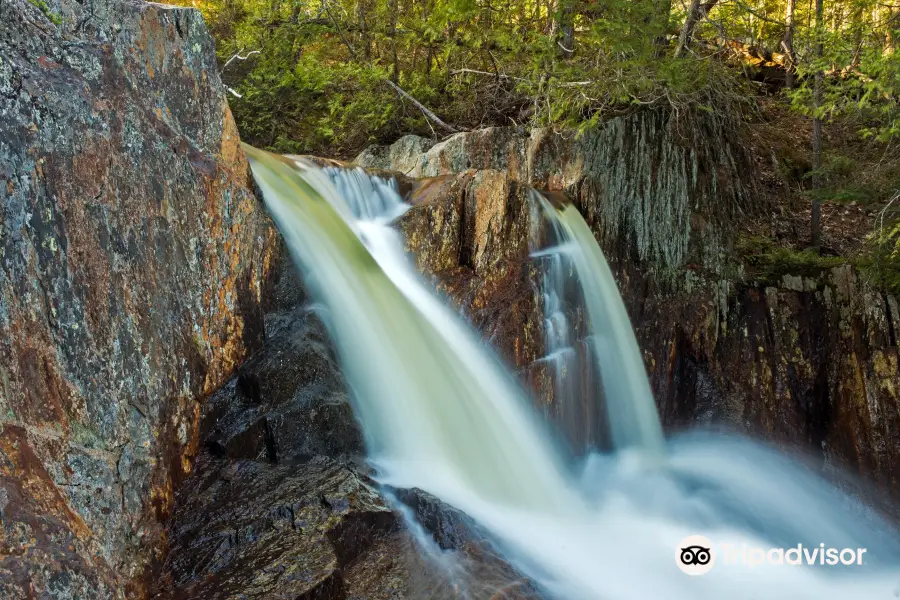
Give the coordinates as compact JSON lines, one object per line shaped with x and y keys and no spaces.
{"x":134,"y":257}
{"x":254,"y":529}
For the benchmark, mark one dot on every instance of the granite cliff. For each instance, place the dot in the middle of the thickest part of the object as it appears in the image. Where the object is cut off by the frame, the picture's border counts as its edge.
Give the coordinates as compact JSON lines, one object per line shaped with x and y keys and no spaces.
{"x":133,"y":256}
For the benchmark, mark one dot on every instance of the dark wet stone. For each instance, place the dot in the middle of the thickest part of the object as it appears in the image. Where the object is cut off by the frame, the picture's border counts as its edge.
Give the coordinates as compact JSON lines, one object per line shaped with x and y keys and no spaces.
{"x":259,"y":530}
{"x":288,"y":402}
{"x":450,"y":528}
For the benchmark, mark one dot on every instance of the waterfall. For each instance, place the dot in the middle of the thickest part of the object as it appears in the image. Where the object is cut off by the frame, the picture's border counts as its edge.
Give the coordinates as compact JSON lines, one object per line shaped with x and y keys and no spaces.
{"x":576,"y":274}
{"x":418,"y":375}
{"x":440,"y":412}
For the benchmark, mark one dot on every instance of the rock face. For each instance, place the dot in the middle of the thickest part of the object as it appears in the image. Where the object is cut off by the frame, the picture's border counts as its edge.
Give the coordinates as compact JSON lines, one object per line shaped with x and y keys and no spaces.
{"x":132,"y":260}
{"x":810,"y":362}
{"x":650,"y":185}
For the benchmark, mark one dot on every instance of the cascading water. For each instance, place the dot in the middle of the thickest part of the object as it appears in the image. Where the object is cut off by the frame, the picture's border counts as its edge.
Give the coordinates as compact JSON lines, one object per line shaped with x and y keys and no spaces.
{"x":576,"y":274}
{"x":441,"y":413}
{"x":569,"y":355}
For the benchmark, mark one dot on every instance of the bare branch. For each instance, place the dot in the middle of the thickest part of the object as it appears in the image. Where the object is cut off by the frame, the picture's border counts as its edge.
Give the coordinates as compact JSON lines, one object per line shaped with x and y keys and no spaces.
{"x":238,"y":56}
{"x":476,"y":72}
{"x":421,"y":107}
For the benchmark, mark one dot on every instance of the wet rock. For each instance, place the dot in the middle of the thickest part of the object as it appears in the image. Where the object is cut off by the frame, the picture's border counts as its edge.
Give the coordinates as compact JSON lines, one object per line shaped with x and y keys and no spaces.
{"x":257,"y":530}
{"x":396,"y":568}
{"x":450,"y":528}
{"x":132,"y":260}
{"x":470,"y":233}
{"x":815,"y":369}
{"x":287,"y":403}
{"x":385,"y":571}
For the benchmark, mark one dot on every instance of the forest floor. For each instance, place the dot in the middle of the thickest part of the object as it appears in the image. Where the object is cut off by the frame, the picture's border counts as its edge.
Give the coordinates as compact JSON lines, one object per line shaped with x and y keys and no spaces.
{"x":860,"y":193}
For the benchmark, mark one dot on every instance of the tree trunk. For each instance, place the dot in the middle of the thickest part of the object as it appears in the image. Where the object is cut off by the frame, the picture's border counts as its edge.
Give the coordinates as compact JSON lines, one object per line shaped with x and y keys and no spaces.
{"x":696,"y":13}
{"x":563,"y":30}
{"x":892,"y":18}
{"x":815,"y":225}
{"x":392,"y":33}
{"x":361,"y":12}
{"x":789,"y":43}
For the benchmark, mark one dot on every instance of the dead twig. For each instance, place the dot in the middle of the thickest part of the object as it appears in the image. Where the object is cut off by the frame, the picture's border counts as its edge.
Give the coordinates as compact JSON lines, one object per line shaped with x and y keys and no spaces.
{"x":237,"y":56}
{"x":476,"y":72}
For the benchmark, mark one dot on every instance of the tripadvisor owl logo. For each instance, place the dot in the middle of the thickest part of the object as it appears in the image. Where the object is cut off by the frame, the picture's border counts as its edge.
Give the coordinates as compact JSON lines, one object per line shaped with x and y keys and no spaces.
{"x":695,"y":555}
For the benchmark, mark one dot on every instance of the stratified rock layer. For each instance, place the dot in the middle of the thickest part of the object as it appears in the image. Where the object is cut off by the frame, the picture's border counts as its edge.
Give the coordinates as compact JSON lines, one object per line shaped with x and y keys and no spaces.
{"x":132,"y":259}
{"x":809,"y":362}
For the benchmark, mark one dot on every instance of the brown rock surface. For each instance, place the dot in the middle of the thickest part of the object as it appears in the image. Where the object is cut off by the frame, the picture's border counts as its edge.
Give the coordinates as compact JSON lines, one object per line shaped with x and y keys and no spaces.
{"x":132,"y":259}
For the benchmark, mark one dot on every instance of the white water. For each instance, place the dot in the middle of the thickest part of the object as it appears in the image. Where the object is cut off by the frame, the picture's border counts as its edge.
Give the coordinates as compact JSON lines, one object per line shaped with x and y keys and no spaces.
{"x":576,"y":258}
{"x":440,"y":412}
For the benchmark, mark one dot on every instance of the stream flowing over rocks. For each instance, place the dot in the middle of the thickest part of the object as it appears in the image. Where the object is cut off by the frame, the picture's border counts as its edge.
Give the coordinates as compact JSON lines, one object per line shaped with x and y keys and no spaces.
{"x":173,"y":423}
{"x":805,"y":361}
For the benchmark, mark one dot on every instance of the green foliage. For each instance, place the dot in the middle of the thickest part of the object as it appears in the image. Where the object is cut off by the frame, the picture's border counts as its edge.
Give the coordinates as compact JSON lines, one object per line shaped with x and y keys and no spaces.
{"x":882,"y":262}
{"x":318,"y":81}
{"x":768,"y":261}
{"x":860,"y":68}
{"x":881,"y":270}
{"x":47,"y":11}
{"x":317,"y":84}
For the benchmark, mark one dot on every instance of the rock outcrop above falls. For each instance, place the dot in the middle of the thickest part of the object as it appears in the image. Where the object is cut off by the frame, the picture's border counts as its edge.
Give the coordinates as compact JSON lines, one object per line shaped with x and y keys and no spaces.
{"x":665,"y":190}
{"x":807,"y":362}
{"x":133,"y":257}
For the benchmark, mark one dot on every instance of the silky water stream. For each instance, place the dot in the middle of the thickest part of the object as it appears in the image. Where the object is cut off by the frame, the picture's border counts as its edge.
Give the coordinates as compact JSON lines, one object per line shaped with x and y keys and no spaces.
{"x":442,"y":413}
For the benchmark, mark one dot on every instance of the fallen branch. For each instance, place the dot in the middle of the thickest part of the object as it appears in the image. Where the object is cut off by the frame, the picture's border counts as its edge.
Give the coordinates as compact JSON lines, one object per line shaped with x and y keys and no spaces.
{"x":476,"y":72}
{"x":881,"y":215}
{"x":403,"y":93}
{"x":502,"y":76}
{"x":572,"y":83}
